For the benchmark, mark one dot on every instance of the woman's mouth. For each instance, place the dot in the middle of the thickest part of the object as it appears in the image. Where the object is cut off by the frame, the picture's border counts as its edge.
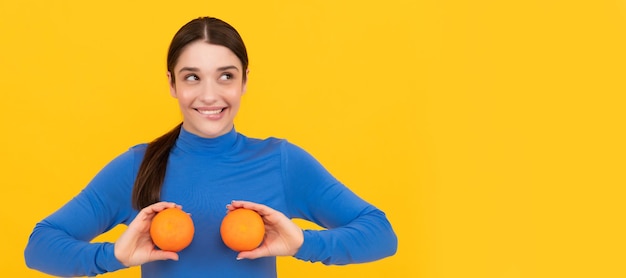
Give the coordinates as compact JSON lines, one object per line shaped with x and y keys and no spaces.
{"x":207,"y":111}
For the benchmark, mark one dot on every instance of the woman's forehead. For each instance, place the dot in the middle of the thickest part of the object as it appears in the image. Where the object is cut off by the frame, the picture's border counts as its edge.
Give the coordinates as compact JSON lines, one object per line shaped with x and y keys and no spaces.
{"x":206,"y":56}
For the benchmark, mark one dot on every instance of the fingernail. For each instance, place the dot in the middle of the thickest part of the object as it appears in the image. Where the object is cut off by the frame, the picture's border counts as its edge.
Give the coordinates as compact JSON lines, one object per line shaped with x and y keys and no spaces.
{"x":239,"y":259}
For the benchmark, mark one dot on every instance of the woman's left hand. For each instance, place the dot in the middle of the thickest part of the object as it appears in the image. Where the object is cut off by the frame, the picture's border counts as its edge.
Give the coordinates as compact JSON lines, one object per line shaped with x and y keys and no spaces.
{"x":282,"y":236}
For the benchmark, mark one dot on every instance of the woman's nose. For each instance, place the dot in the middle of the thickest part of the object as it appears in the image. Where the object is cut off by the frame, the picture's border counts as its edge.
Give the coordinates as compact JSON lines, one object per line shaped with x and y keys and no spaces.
{"x":209,"y":92}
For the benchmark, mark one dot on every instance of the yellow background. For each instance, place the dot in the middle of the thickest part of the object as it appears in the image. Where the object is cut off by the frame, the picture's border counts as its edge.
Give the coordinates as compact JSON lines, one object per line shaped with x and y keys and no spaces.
{"x":490,"y":132}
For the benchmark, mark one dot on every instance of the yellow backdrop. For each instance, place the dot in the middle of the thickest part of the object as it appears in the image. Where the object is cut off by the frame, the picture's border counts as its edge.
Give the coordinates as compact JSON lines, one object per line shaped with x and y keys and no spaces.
{"x":490,"y":132}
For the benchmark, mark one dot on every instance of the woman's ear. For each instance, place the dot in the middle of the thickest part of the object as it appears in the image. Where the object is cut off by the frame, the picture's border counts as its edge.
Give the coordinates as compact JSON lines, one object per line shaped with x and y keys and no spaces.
{"x":245,"y":82}
{"x":172,"y":83}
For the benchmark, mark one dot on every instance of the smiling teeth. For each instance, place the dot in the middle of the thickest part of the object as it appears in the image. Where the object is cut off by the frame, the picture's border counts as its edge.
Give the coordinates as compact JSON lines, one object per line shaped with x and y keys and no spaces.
{"x":210,"y":112}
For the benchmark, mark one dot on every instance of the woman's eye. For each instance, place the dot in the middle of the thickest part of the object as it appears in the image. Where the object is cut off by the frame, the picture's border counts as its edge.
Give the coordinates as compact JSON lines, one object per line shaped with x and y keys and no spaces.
{"x":192,"y":77}
{"x":226,"y":76}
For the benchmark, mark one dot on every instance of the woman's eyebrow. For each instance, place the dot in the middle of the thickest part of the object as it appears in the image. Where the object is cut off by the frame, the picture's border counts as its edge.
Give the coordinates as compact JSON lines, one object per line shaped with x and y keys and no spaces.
{"x":227,"y":68}
{"x":192,"y":69}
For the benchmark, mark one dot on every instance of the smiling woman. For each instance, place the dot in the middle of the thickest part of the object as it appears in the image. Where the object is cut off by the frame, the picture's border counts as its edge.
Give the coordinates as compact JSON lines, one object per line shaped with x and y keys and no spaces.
{"x":204,"y":164}
{"x":209,"y":88}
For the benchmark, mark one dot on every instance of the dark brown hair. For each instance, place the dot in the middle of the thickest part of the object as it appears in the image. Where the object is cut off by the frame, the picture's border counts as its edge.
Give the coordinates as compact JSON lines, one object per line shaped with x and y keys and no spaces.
{"x":147,"y":188}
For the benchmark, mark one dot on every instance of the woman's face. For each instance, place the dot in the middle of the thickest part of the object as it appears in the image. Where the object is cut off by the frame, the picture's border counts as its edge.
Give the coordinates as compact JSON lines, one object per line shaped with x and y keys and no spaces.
{"x":208,"y":85}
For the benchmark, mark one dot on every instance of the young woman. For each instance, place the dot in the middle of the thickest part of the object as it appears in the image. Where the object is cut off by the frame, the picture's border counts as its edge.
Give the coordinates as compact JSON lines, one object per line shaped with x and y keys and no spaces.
{"x":204,"y":164}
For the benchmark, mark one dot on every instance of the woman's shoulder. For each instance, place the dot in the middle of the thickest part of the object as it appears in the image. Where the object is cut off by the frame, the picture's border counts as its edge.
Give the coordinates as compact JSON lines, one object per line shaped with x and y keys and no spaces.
{"x":134,"y":152}
{"x":130,"y":156}
{"x":269,"y":141}
{"x":263,"y":144}
{"x":139,"y":148}
{"x":276,"y":144}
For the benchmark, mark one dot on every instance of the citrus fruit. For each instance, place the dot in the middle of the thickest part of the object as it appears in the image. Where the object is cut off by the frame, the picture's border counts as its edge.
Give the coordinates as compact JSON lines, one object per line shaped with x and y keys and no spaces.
{"x":242,"y":229}
{"x":172,"y":229}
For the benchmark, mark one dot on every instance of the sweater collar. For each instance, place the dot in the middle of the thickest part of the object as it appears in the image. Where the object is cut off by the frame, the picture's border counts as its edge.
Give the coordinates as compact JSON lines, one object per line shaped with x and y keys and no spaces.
{"x":190,"y":142}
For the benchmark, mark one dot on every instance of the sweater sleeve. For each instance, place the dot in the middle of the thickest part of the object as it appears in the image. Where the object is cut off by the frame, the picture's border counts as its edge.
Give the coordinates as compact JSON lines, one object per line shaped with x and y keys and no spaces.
{"x":60,"y":244}
{"x":355,"y":231}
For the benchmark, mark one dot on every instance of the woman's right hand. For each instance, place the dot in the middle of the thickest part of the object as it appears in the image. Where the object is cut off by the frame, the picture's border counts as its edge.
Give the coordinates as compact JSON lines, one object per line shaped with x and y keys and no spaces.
{"x":135,"y":247}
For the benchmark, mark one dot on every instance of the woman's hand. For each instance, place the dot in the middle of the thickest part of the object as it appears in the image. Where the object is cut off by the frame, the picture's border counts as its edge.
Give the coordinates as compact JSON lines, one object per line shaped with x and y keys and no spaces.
{"x":282,"y":236}
{"x":135,"y":247}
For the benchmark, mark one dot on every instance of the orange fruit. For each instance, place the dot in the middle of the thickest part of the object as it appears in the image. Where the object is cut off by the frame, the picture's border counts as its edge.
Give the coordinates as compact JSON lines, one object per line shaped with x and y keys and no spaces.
{"x":172,"y":229}
{"x":242,"y":229}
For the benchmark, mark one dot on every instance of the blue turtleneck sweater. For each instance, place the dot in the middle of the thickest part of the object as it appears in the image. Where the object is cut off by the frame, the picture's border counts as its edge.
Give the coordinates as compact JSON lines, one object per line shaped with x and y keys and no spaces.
{"x":204,"y":175}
